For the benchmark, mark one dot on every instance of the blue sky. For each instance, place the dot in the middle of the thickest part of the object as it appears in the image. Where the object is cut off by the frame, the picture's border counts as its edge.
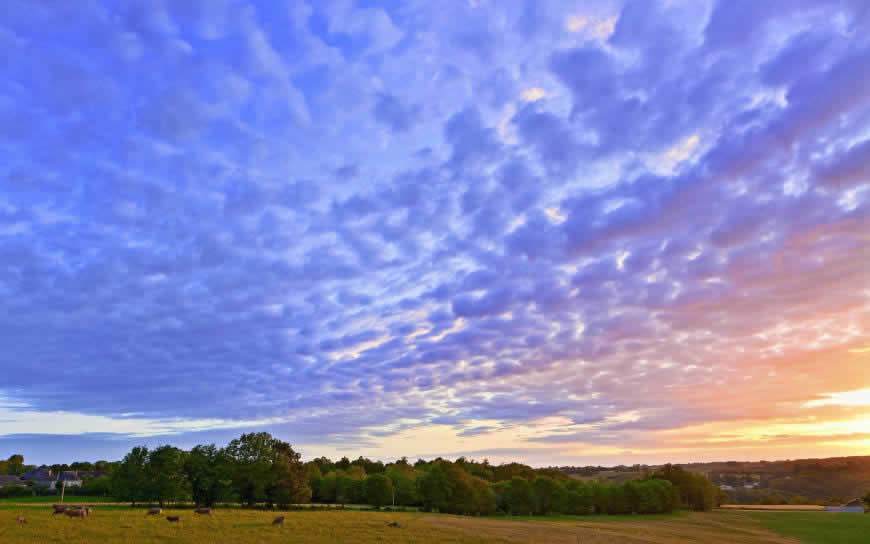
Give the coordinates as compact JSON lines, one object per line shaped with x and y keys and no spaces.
{"x":557,"y":232}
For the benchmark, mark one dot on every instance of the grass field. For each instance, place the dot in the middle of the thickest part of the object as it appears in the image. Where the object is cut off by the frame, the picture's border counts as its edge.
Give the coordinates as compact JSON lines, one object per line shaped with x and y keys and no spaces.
{"x":125,"y":525}
{"x":819,"y":528}
{"x":777,"y":507}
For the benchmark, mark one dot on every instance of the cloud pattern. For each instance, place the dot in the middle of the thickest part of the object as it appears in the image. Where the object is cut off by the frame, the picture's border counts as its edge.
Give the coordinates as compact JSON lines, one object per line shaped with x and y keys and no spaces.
{"x":350,"y":222}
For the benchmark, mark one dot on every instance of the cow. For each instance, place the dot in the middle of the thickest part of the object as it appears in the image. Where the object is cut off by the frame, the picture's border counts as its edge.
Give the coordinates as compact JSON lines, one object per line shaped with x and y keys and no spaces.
{"x":203,"y":511}
{"x":393,"y":524}
{"x":20,"y":519}
{"x":75,"y":513}
{"x":153,"y":512}
{"x":173,"y":519}
{"x":278,"y":521}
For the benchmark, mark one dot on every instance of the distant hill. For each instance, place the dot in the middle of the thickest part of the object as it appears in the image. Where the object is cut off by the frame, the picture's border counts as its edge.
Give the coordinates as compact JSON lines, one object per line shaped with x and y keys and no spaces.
{"x":833,"y":479}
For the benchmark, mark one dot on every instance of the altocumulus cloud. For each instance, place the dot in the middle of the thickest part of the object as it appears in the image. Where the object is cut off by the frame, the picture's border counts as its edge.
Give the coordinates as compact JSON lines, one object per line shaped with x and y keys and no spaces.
{"x":344,"y":223}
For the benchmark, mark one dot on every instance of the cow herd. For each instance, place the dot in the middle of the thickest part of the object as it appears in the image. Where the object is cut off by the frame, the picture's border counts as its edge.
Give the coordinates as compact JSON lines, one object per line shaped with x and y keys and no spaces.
{"x":73,"y":511}
{"x":82,"y":511}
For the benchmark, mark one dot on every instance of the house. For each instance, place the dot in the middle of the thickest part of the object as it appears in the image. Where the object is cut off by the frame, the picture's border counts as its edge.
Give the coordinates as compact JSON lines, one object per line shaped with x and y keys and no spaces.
{"x":39,"y":476}
{"x":70,"y":478}
{"x":11,"y":479}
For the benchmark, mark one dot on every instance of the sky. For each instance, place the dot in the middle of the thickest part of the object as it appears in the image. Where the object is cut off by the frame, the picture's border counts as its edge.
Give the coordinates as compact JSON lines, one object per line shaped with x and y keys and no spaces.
{"x":561,"y":233}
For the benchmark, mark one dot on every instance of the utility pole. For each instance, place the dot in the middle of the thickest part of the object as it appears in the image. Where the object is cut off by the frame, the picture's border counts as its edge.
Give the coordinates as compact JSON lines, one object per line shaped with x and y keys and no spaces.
{"x":62,"y":489}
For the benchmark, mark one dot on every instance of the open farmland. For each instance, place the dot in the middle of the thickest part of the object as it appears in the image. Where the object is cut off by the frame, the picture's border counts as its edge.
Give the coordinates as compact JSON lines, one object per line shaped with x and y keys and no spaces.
{"x":126,"y":525}
{"x":818,"y":528}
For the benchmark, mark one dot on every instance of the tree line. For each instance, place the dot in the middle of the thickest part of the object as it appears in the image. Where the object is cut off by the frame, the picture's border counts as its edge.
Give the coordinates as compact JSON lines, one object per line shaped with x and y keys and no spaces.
{"x":257,"y":469}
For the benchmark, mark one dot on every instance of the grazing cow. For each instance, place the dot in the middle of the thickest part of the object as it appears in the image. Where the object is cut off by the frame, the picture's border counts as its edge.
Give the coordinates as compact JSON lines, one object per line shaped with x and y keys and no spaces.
{"x":173,"y":519}
{"x":393,"y":524}
{"x":203,"y":511}
{"x":20,"y":519}
{"x":153,"y":512}
{"x":75,"y":513}
{"x":278,"y":521}
{"x":60,"y":508}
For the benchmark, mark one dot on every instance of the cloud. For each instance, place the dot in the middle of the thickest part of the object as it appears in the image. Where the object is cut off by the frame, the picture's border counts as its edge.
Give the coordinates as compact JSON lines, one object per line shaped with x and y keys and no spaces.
{"x":391,"y":112}
{"x":467,"y":225}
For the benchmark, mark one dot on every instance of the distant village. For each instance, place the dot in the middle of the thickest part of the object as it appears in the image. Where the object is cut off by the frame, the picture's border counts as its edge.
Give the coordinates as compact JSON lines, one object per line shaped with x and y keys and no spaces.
{"x":46,"y":478}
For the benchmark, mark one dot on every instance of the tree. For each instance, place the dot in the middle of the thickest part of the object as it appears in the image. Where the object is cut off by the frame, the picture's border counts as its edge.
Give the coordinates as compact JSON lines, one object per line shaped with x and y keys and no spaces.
{"x":349,"y":485}
{"x":696,"y":492}
{"x":314,"y":475}
{"x":483,"y":498}
{"x":866,"y":500}
{"x":435,"y":489}
{"x":266,"y":469}
{"x":166,"y":478}
{"x":129,"y":480}
{"x":520,"y":498}
{"x":404,"y":481}
{"x":100,"y":486}
{"x":378,"y":490}
{"x":208,"y":471}
{"x":547,"y":492}
{"x":14,"y":465}
{"x":289,"y":482}
{"x":327,"y":488}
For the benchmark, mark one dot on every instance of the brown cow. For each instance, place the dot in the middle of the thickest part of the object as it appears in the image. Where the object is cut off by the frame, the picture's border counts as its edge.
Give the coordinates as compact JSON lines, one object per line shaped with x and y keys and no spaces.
{"x":203,"y":511}
{"x":20,"y":519}
{"x":278,"y":521}
{"x":173,"y":519}
{"x":75,"y":513}
{"x":393,"y":524}
{"x":153,"y":511}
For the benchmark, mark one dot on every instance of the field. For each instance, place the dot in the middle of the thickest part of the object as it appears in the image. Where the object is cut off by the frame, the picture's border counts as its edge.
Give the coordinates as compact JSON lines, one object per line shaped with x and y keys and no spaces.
{"x":777,"y":507}
{"x":819,"y":528}
{"x":125,"y":525}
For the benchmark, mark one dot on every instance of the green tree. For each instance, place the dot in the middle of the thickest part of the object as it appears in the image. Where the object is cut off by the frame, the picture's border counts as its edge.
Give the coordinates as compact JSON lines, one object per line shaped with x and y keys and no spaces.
{"x":166,"y":478}
{"x":435,"y":489}
{"x":289,"y":481}
{"x":327,"y":488}
{"x":100,"y":486}
{"x":378,"y":490}
{"x":404,"y":478}
{"x":14,"y":465}
{"x":547,"y":493}
{"x":208,"y":471}
{"x":483,"y":498}
{"x":520,"y":498}
{"x":314,"y":475}
{"x":349,"y":485}
{"x":129,"y":481}
{"x":266,"y":469}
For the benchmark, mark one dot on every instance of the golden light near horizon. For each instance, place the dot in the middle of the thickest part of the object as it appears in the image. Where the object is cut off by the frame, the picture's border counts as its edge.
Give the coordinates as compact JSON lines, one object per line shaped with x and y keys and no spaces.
{"x":860,"y":397}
